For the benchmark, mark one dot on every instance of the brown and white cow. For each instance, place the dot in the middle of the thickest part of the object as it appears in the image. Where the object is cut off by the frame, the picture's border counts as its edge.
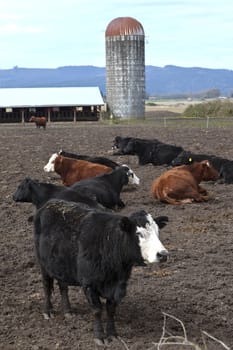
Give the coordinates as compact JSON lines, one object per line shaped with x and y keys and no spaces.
{"x":180,"y":184}
{"x":72,"y":170}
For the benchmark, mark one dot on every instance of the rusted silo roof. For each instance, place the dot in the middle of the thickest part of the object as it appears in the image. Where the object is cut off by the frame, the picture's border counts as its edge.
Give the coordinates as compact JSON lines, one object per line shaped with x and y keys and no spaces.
{"x":124,"y":26}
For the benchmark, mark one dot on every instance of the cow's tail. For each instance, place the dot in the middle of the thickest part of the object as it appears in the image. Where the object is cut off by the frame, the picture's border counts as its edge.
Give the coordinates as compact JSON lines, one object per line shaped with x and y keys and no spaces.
{"x":165,"y":198}
{"x":158,"y":191}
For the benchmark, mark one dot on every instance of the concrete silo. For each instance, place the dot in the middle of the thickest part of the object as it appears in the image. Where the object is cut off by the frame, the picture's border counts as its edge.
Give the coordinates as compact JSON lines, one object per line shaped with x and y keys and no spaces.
{"x":125,"y":68}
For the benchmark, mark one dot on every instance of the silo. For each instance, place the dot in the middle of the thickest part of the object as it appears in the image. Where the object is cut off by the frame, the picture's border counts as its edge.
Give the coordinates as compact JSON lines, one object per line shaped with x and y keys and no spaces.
{"x":125,"y":68}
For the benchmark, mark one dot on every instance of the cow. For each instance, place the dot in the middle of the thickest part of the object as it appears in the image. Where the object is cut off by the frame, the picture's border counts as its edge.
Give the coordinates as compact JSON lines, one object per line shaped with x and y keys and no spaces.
{"x":107,"y":187}
{"x":38,"y":193}
{"x":152,"y":151}
{"x":39,"y":121}
{"x":121,"y":144}
{"x":96,"y":250}
{"x":226,"y":172}
{"x":219,"y":163}
{"x":180,"y":185}
{"x":99,"y":160}
{"x":72,"y":170}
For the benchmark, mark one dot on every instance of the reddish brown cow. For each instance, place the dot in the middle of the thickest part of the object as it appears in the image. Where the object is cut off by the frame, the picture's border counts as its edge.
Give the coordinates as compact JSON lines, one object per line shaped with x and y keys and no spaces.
{"x":180,"y":185}
{"x":72,"y":170}
{"x":39,"y":121}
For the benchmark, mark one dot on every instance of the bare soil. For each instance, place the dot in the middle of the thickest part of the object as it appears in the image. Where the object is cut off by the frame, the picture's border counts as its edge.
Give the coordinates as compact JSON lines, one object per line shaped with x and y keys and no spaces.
{"x":195,"y":285}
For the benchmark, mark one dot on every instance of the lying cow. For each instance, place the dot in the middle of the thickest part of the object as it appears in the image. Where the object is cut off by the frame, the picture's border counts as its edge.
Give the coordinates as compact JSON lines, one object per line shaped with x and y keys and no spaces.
{"x":180,"y":185}
{"x":120,"y":144}
{"x":99,"y":160}
{"x":38,"y":193}
{"x":226,"y":172}
{"x":107,"y":187}
{"x":95,"y":250}
{"x":186,"y":157}
{"x":72,"y":170}
{"x":222,"y":165}
{"x":152,"y":151}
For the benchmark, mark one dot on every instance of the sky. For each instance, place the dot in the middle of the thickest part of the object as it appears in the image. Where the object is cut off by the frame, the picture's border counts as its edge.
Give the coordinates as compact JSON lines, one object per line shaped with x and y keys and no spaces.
{"x":57,"y":33}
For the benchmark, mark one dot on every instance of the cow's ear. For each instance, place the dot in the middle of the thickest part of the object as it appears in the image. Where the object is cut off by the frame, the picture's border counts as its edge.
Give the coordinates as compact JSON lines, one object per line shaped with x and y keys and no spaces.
{"x":127,"y":225}
{"x":161,"y":221}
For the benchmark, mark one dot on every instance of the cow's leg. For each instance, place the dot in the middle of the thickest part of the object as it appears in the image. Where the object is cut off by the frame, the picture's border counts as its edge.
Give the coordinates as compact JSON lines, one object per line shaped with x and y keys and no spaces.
{"x":120,"y":203}
{"x":48,"y":288}
{"x":202,"y":190}
{"x":65,"y":299}
{"x":95,"y":303}
{"x":188,"y":195}
{"x":199,"y":197}
{"x":111,"y":310}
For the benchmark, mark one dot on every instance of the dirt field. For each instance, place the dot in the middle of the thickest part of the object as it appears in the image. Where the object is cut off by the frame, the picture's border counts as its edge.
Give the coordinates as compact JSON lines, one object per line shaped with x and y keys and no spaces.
{"x":195,"y":284}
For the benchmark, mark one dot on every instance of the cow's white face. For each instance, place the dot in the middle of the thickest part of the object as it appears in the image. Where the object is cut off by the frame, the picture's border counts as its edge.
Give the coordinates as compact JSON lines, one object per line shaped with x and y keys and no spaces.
{"x":133,"y":179}
{"x":50,"y":165}
{"x":152,"y":249}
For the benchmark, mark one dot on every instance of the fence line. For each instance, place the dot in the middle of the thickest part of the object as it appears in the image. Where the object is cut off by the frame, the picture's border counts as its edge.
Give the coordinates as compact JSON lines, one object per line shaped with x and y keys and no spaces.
{"x":208,"y":122}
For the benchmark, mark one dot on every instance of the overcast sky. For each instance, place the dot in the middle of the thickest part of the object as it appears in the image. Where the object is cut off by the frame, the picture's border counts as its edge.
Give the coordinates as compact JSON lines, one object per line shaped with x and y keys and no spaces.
{"x":55,"y":33}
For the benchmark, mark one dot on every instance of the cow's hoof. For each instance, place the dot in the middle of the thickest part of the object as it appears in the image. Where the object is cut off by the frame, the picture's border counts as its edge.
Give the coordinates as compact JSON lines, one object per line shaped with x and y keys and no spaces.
{"x":46,"y":316}
{"x":99,"y":342}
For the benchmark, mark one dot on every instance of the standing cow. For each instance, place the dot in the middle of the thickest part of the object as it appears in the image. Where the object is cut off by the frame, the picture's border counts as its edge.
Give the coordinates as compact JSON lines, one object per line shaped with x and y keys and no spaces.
{"x":97,"y":250}
{"x":39,"y":121}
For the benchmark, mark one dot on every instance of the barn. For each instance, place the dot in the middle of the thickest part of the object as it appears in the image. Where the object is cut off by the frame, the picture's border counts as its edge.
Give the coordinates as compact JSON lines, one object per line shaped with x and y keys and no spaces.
{"x":17,"y":105}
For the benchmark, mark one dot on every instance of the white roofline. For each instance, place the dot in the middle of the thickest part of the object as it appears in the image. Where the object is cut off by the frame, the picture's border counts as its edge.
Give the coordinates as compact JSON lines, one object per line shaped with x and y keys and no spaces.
{"x":50,"y":97}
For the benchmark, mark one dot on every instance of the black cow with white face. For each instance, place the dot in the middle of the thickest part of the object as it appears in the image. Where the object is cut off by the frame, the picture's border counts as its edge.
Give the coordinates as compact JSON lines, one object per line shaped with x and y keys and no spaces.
{"x":96,"y":250}
{"x":107,"y":187}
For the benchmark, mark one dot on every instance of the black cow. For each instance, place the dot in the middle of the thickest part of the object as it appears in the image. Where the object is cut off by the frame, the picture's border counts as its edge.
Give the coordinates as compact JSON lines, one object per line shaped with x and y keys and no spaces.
{"x":226,"y":172}
{"x":152,"y":151}
{"x":222,"y":165}
{"x":98,"y":160}
{"x":96,"y":250}
{"x":107,"y":187}
{"x":187,"y":157}
{"x":121,"y":144}
{"x":38,"y":193}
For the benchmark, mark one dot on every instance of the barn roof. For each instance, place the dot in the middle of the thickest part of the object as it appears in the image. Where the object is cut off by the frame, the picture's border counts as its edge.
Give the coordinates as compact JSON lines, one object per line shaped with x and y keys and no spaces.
{"x":51,"y":96}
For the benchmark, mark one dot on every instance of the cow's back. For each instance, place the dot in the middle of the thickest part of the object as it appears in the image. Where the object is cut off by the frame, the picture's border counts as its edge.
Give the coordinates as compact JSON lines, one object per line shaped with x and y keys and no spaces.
{"x":73,"y":170}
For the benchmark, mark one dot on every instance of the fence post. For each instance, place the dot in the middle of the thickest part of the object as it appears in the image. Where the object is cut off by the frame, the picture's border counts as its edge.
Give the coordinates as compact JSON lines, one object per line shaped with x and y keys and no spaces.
{"x":207,"y":122}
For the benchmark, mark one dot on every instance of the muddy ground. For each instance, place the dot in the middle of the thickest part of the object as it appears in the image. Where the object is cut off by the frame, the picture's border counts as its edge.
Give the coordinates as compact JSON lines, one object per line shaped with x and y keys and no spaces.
{"x":195,"y":285}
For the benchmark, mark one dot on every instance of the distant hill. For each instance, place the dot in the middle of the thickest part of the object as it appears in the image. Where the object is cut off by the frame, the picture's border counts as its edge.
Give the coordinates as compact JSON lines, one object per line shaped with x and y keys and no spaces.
{"x":159,"y":80}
